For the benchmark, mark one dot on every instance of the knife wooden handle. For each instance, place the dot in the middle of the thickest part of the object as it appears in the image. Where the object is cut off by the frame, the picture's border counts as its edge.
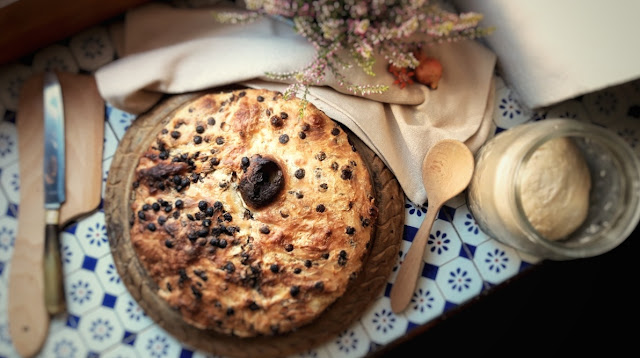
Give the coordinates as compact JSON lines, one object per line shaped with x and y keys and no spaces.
{"x":53,"y":285}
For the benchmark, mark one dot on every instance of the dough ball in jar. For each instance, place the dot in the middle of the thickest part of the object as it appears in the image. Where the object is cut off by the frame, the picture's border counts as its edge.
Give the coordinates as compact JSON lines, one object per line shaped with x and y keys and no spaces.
{"x":554,"y":188}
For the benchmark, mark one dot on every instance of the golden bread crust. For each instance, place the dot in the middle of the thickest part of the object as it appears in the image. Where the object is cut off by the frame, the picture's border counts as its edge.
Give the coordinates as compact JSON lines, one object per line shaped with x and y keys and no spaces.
{"x":250,"y":219}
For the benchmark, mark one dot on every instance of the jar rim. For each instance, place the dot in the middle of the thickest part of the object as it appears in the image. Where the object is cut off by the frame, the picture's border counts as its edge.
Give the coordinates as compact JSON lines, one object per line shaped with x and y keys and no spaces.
{"x":626,"y":160}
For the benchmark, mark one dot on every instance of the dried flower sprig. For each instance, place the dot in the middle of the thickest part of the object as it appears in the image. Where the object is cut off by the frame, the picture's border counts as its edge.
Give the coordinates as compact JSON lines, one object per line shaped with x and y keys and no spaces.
{"x":346,"y":32}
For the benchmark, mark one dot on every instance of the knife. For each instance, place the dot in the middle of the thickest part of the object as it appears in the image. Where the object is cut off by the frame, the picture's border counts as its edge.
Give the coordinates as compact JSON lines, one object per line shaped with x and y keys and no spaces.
{"x":54,"y":191}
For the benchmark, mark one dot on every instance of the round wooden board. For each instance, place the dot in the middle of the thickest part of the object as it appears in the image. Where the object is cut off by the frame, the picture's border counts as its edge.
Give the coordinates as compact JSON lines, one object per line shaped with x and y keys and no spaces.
{"x":362,"y":291}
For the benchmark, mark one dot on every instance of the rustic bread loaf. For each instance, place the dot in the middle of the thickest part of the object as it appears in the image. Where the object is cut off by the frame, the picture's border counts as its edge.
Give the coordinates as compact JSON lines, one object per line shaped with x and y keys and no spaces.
{"x":250,"y":218}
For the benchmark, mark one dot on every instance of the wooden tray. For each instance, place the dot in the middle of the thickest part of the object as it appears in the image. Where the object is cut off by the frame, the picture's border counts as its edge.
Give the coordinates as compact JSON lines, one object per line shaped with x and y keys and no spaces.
{"x":368,"y":286}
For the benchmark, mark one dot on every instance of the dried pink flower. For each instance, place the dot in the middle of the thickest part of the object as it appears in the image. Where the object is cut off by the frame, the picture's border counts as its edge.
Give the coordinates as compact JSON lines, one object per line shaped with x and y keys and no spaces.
{"x":365,"y":30}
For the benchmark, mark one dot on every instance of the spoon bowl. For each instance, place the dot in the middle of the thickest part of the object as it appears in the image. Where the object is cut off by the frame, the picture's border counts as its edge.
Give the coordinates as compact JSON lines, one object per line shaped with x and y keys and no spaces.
{"x":446,"y":172}
{"x":447,"y":169}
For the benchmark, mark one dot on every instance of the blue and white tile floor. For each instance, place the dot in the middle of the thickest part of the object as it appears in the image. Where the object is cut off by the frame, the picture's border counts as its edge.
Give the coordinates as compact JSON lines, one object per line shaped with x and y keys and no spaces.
{"x":105,"y":321}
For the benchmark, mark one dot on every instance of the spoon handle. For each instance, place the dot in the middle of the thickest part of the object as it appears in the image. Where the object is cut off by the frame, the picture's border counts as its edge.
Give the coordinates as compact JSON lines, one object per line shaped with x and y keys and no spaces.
{"x":405,"y":283}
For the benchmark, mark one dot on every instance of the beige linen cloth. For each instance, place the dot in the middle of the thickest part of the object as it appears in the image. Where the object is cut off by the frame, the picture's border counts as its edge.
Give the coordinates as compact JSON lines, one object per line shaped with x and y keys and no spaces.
{"x":177,"y":50}
{"x":553,"y":50}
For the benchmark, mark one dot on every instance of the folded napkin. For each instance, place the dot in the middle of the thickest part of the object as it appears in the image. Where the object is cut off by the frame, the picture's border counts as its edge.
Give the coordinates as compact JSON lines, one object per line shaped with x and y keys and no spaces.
{"x":553,"y":50}
{"x":176,"y":50}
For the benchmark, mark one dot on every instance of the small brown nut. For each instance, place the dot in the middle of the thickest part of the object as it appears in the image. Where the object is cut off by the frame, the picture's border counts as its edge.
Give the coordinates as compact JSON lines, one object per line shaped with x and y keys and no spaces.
{"x":429,"y":72}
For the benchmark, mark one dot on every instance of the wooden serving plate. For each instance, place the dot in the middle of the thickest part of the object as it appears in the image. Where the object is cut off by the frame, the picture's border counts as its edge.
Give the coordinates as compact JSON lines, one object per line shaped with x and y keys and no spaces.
{"x":367,"y":287}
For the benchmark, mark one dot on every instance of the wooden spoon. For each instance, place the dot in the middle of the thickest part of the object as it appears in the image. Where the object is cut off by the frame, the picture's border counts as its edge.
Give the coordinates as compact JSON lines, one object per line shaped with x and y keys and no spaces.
{"x":446,"y":172}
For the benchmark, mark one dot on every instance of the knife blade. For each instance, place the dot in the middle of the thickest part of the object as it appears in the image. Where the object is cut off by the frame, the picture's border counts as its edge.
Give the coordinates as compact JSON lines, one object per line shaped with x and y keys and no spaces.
{"x":54,"y":191}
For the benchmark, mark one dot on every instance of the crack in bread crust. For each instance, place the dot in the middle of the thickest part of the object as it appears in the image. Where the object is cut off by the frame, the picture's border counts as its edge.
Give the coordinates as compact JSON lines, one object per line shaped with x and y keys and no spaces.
{"x":247,"y":269}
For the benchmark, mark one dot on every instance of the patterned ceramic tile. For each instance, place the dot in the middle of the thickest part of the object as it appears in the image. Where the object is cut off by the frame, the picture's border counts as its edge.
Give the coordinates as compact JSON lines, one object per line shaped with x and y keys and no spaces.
{"x":459,"y":280}
{"x":72,"y":255}
{"x":121,"y":351}
{"x":507,"y":111}
{"x":427,"y":302}
{"x":571,"y":109}
{"x":10,"y":181}
{"x":496,"y":262}
{"x":63,"y":342}
{"x":8,"y":230}
{"x":352,"y":342}
{"x":629,"y":131}
{"x":4,"y":272}
{"x":131,"y":314}
{"x":5,"y":337}
{"x":156,"y":343}
{"x":606,"y":106}
{"x":83,"y":292}
{"x":4,"y":204}
{"x":92,"y":235}
{"x":382,"y":325}
{"x":119,"y":120}
{"x":539,"y":114}
{"x":404,"y":248}
{"x":443,"y":243}
{"x":12,"y":76}
{"x":467,"y":227}
{"x":100,"y":329}
{"x":6,"y":346}
{"x":92,"y":48}
{"x":110,"y":143}
{"x":8,"y":143}
{"x":108,"y":275}
{"x":54,"y":58}
{"x":414,"y":213}
{"x":4,"y":282}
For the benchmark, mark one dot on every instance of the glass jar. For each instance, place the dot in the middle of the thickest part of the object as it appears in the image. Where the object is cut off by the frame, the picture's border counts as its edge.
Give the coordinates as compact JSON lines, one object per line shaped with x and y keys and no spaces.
{"x":494,"y":193}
